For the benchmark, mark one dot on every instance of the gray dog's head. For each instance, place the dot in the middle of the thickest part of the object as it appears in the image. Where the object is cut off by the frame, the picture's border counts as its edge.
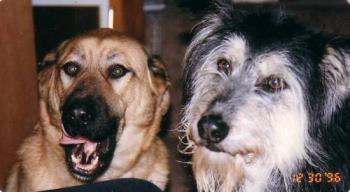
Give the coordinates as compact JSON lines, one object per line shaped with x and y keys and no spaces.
{"x":255,"y":84}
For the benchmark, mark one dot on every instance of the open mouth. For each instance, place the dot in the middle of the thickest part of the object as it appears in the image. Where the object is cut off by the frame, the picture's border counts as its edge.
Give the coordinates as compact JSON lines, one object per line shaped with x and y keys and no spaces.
{"x":86,"y":159}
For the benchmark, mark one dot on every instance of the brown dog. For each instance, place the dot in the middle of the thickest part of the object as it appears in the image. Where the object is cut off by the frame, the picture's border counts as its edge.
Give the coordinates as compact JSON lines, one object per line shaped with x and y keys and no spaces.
{"x":102,"y":98}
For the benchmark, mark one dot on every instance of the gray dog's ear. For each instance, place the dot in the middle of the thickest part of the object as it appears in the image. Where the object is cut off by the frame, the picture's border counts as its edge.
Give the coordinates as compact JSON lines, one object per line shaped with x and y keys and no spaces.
{"x":336,"y":70}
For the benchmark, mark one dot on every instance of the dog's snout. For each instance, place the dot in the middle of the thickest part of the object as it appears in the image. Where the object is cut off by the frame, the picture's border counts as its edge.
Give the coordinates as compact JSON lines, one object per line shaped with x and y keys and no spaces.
{"x":80,"y":117}
{"x":212,"y":128}
{"x":88,"y":117}
{"x":77,"y":115}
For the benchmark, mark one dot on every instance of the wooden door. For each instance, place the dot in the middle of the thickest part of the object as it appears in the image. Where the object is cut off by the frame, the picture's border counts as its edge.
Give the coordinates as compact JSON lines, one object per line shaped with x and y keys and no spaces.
{"x":18,"y":91}
{"x":129,"y":17}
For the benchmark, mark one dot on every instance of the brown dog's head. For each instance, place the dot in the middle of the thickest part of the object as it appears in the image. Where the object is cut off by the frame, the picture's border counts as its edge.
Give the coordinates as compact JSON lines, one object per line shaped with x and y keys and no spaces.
{"x":98,"y":90}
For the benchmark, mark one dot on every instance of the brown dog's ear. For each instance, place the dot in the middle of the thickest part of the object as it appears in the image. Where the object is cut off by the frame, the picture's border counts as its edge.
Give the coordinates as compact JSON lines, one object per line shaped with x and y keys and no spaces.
{"x":48,"y":61}
{"x":50,"y":58}
{"x":159,"y":78}
{"x":159,"y":81}
{"x":47,"y":80}
{"x":49,"y":88}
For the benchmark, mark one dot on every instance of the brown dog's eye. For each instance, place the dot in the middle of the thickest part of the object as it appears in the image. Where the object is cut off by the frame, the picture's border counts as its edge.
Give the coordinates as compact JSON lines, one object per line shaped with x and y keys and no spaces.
{"x":117,"y":71}
{"x":224,"y":66}
{"x":274,"y":84}
{"x":71,"y":68}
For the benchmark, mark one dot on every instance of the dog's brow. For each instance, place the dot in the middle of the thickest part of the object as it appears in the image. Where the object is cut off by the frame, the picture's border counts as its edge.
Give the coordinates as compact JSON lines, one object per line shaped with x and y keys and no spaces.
{"x":112,"y":55}
{"x":77,"y":52}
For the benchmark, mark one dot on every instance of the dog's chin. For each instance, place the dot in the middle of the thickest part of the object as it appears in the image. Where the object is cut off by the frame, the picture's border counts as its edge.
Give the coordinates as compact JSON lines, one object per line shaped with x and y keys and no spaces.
{"x":87,"y":161}
{"x":248,"y":154}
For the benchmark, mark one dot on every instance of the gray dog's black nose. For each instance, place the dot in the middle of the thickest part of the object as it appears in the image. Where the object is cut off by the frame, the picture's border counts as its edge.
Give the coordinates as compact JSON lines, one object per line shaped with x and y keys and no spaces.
{"x":212,"y":128}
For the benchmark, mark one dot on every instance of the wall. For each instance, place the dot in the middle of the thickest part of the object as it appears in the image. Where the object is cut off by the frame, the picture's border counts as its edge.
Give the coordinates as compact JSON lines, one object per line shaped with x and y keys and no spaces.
{"x":18,"y":91}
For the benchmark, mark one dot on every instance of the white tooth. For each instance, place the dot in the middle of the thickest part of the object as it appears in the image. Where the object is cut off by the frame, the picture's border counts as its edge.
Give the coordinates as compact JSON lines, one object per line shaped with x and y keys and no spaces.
{"x":90,"y":166}
{"x":89,"y":148}
{"x":80,"y":156}
{"x":76,"y":159}
{"x":95,"y":160}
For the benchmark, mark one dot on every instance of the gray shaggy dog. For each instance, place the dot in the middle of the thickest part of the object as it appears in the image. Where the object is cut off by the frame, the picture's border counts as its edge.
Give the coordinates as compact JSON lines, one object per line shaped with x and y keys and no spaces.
{"x":266,"y":104}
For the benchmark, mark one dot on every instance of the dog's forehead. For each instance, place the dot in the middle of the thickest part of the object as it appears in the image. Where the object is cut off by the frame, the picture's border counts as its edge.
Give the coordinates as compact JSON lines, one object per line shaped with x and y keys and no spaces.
{"x":237,"y":49}
{"x":111,"y":49}
{"x":272,"y":63}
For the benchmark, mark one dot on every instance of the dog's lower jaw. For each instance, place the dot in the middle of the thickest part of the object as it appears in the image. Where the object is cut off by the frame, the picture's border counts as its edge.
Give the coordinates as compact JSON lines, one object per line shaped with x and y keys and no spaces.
{"x":215,"y":171}
{"x":223,"y":172}
{"x":88,"y":161}
{"x":152,"y":166}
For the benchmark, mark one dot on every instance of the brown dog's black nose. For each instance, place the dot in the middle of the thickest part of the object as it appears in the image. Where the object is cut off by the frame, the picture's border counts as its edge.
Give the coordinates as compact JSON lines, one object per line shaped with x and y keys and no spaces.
{"x":77,"y":115}
{"x":88,"y":117}
{"x":212,"y":128}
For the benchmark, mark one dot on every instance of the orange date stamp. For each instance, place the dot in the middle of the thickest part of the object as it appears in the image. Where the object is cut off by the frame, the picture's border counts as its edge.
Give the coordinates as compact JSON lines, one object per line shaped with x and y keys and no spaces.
{"x":317,"y":177}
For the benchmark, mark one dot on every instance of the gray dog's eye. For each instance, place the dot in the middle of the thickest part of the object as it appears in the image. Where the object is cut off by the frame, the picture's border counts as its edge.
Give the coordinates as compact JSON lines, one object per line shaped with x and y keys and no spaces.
{"x":274,"y":83}
{"x":117,"y":71}
{"x":224,"y":66}
{"x":71,"y":68}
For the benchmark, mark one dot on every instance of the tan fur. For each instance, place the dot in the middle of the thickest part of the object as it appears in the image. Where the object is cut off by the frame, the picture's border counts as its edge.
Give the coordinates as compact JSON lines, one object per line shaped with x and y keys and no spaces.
{"x":141,"y":99}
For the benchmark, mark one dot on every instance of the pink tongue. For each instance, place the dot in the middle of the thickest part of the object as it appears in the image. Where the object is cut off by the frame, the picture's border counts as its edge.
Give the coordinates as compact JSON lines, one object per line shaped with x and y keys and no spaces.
{"x":66,"y":139}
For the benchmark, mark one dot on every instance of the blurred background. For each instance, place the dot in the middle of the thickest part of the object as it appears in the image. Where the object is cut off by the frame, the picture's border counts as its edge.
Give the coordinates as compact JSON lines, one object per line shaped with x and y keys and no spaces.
{"x":29,"y":29}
